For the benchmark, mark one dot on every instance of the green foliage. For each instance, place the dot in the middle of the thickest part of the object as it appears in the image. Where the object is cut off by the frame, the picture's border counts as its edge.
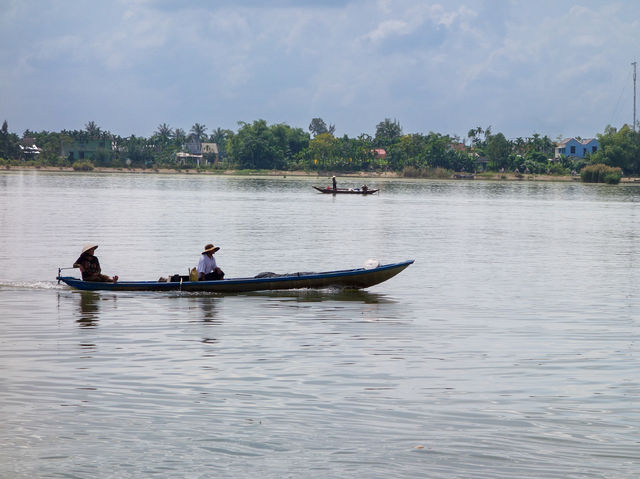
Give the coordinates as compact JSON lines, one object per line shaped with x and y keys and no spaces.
{"x":601,"y":174}
{"x":164,"y":133}
{"x":93,"y":130}
{"x":318,"y":127}
{"x":497,"y":151}
{"x":619,"y":148}
{"x":259,"y":146}
{"x":323,"y":151}
{"x":199,"y":131}
{"x":102,"y":158}
{"x":138,"y":151}
{"x":8,"y":142}
{"x":474,"y":135}
{"x":539,"y":144}
{"x":612,"y":178}
{"x":179,"y":136}
{"x":387,"y":132}
{"x":573,"y":164}
{"x":221,"y":138}
{"x":83,"y":165}
{"x":427,"y":151}
{"x":556,"y":168}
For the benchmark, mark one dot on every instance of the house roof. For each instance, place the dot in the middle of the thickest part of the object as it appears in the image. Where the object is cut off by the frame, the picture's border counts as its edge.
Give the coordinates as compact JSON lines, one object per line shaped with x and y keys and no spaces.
{"x":582,"y":142}
{"x":210,"y":148}
{"x":30,"y":148}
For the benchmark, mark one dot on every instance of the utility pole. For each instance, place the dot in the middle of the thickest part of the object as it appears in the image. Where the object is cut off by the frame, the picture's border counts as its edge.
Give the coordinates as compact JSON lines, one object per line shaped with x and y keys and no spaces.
{"x":634,"y":95}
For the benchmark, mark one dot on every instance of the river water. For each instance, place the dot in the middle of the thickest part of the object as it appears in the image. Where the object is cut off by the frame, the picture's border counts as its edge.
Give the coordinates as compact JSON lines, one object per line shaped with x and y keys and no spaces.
{"x":509,"y":349}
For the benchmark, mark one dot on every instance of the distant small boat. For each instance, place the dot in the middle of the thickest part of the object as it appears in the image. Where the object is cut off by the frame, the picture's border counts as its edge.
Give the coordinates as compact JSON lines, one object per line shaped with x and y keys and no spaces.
{"x":347,"y":191}
{"x":358,"y":278}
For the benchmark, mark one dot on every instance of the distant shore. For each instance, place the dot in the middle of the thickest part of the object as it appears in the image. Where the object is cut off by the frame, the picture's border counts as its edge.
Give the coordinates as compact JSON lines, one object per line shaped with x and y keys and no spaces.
{"x":490,"y":176}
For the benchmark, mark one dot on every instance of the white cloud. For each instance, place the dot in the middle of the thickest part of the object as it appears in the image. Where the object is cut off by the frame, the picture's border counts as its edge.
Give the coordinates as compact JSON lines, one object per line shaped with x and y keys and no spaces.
{"x":388,"y":28}
{"x":441,"y":66}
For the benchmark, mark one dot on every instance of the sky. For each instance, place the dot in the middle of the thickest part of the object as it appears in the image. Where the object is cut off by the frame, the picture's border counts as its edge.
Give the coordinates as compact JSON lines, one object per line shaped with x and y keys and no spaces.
{"x":560,"y":68}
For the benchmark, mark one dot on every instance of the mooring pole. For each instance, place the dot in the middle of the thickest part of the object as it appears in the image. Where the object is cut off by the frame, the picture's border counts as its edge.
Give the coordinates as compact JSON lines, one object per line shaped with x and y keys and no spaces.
{"x":634,"y":94}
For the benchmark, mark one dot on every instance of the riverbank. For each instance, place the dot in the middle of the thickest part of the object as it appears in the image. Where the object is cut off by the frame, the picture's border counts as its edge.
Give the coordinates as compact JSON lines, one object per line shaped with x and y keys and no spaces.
{"x":194,"y":171}
{"x":489,"y":176}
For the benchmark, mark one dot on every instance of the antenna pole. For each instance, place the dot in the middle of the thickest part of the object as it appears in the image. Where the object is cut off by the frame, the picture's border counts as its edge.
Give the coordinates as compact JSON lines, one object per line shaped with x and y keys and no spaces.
{"x":634,"y":94}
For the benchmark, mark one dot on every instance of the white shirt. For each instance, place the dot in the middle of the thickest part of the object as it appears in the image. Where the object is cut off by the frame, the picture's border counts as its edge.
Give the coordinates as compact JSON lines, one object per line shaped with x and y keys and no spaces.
{"x":206,"y":264}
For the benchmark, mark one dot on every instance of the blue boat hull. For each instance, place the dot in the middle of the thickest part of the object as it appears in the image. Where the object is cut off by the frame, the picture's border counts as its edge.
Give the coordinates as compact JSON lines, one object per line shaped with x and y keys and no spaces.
{"x":359,"y":278}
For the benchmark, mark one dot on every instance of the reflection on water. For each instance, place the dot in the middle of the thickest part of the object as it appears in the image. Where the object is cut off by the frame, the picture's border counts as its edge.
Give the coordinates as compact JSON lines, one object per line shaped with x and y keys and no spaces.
{"x":208,"y":306}
{"x":89,"y":308}
{"x":311,"y":295}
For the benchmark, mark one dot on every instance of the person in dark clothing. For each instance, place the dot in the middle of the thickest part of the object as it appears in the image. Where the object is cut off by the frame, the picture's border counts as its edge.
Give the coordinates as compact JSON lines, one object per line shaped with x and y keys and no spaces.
{"x":90,"y":266}
{"x":335,"y":185}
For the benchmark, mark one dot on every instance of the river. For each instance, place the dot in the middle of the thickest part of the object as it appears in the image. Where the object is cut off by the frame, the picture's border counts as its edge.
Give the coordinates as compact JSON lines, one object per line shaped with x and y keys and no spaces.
{"x":509,"y":349}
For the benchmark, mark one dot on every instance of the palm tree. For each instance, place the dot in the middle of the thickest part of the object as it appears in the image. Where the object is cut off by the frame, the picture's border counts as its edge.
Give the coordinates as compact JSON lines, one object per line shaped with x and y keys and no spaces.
{"x":547,"y":146}
{"x":93,"y":130}
{"x":164,"y":132}
{"x":198,"y":131}
{"x":519,"y":144}
{"x":218,"y":136}
{"x":179,"y":136}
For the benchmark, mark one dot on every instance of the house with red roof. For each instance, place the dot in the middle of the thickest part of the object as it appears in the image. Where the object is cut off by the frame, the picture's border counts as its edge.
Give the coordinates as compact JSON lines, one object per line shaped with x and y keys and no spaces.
{"x":379,"y":153}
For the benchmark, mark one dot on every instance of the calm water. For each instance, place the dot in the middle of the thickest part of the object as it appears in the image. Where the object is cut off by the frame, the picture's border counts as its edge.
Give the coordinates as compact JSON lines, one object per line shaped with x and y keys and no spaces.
{"x":509,"y":349}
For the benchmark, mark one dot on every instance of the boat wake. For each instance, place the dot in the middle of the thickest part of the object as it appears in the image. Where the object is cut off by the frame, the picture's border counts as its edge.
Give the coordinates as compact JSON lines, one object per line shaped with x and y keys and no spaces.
{"x":30,"y":285}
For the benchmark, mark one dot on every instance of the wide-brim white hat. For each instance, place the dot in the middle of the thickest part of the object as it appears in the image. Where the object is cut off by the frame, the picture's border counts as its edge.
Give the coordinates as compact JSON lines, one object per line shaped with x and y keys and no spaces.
{"x":89,"y":246}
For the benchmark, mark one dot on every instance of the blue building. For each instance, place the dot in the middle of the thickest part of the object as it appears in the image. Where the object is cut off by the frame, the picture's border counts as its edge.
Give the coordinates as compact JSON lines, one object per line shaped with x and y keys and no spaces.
{"x":578,"y":148}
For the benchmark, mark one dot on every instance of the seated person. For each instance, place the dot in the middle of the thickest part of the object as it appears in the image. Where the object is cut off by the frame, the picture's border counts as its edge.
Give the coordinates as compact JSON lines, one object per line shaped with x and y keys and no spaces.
{"x":90,"y":266}
{"x":207,"y":268}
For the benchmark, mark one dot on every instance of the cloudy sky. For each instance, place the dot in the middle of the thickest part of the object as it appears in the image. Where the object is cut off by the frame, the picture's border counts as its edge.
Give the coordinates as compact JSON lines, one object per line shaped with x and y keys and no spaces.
{"x":554,"y":67}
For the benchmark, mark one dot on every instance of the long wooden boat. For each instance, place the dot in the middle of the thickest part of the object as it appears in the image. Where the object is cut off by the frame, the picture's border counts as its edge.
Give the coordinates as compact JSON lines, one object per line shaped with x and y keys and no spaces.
{"x":358,"y":278}
{"x":348,"y":191}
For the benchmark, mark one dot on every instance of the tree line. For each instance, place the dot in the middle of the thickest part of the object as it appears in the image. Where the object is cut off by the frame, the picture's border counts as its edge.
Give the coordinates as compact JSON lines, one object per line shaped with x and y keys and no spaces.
{"x":259,"y":145}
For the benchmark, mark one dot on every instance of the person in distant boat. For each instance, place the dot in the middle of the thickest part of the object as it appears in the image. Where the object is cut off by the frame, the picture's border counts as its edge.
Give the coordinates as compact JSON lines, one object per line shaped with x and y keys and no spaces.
{"x":335,"y":185}
{"x":365,"y":188}
{"x":207,"y":268}
{"x":90,"y":266}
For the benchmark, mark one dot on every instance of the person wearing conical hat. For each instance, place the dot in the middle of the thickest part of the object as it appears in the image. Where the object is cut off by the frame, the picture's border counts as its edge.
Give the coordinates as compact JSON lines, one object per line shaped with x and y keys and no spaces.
{"x":207,"y":268}
{"x":90,"y":266}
